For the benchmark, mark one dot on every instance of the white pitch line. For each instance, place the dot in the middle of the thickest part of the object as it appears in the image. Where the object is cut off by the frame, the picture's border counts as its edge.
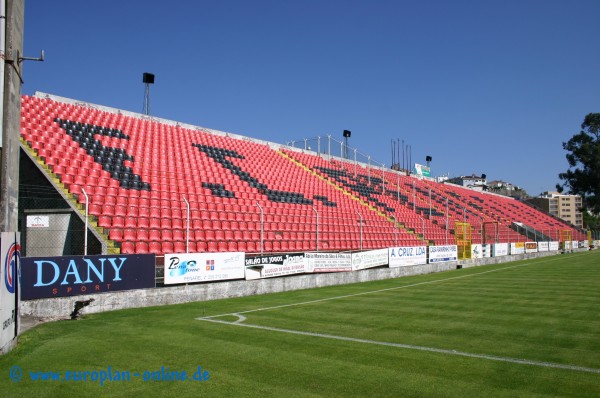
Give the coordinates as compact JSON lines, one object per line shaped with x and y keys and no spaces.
{"x":240,"y":319}
{"x":414,"y":347}
{"x":361,"y":293}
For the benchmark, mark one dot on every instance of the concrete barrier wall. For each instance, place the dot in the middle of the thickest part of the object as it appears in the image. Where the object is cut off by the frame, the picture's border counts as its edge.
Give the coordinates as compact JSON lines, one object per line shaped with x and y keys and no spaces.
{"x":476,"y":262}
{"x":62,"y":307}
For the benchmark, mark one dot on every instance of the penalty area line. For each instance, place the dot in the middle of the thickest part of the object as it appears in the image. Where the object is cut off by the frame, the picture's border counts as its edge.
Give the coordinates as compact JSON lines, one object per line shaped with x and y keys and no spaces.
{"x":408,"y":346}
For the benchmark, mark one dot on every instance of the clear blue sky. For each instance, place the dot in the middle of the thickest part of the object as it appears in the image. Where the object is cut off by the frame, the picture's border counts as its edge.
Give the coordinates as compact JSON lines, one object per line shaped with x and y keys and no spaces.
{"x":490,"y":87}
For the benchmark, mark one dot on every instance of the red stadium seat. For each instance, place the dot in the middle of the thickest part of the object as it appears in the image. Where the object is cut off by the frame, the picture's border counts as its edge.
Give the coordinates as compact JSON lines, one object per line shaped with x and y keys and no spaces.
{"x":251,"y":247}
{"x":142,"y":248}
{"x":178,"y":247}
{"x":127,"y":248}
{"x":104,"y":221}
{"x":117,"y":222}
{"x":142,"y":235}
{"x":167,"y":248}
{"x":232,"y":246}
{"x":179,"y":235}
{"x":116,"y":234}
{"x":155,"y":248}
{"x":129,"y":234}
{"x":154,"y":235}
{"x":166,"y":235}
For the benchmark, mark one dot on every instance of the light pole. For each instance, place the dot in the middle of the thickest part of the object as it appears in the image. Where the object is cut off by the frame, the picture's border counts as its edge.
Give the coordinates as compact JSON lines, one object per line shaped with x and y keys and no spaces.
{"x":347,"y":134}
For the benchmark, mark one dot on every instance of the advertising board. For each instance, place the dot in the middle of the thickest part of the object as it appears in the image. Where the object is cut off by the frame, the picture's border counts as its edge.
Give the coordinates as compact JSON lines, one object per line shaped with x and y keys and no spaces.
{"x":204,"y":267}
{"x":328,"y":262}
{"x":405,"y":256}
{"x":439,"y":254}
{"x":369,"y":259}
{"x":43,"y":277}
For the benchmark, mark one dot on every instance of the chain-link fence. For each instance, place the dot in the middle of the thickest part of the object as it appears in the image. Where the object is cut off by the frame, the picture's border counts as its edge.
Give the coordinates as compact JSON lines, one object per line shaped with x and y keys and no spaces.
{"x":49,"y":226}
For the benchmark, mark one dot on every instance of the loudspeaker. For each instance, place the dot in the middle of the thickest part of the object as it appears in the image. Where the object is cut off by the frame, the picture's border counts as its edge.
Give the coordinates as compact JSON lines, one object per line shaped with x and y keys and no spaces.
{"x":148,"y":78}
{"x":347,"y":133}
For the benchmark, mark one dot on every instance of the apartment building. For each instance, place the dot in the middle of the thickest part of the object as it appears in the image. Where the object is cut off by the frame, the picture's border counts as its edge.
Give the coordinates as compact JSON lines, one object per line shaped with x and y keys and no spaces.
{"x":566,"y":207}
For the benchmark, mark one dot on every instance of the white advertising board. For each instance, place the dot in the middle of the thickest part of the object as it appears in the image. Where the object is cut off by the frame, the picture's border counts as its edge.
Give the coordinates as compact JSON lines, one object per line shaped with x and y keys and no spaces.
{"x":500,"y":249}
{"x":328,"y":262}
{"x":517,"y":248}
{"x":575,"y":244}
{"x":38,"y":221}
{"x":553,"y":246}
{"x":476,"y":250}
{"x":252,"y":274}
{"x":9,"y":286}
{"x":421,"y":170}
{"x":531,"y":247}
{"x":275,"y":265}
{"x":543,"y":246}
{"x":291,"y":264}
{"x":203,"y":267}
{"x":405,"y":256}
{"x":369,"y":259}
{"x":439,"y":254}
{"x":487,"y":250}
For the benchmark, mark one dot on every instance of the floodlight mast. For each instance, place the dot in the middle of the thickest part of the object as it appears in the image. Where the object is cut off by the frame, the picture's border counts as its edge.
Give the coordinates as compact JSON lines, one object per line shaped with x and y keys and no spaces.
{"x":347,"y":134}
{"x":147,"y":79}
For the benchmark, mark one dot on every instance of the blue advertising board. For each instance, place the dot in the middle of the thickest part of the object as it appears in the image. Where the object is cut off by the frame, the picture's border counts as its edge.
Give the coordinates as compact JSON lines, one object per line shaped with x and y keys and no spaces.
{"x":43,"y":277}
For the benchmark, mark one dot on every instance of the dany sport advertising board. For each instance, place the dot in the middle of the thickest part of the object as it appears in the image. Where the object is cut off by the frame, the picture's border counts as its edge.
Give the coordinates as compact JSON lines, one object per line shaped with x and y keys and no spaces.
{"x":43,"y":277}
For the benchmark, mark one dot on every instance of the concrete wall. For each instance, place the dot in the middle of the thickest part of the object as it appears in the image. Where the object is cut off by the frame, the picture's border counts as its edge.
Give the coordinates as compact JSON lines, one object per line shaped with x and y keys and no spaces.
{"x":60,"y":308}
{"x":503,"y":259}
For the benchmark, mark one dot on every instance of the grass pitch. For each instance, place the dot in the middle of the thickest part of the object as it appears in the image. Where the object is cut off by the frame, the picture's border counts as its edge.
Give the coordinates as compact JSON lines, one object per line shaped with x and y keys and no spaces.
{"x":529,"y":328}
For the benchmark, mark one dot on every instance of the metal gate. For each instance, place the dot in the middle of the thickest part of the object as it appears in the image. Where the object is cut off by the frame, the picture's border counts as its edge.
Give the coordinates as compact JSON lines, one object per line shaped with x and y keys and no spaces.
{"x":463,"y":231}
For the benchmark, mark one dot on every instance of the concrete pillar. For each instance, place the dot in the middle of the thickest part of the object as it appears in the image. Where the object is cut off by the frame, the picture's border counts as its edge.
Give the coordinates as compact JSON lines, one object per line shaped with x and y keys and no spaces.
{"x":11,"y":111}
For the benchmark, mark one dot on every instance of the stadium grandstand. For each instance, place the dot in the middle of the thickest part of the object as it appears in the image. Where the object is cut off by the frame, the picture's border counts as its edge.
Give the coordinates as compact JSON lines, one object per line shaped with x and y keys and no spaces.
{"x":149,"y":185}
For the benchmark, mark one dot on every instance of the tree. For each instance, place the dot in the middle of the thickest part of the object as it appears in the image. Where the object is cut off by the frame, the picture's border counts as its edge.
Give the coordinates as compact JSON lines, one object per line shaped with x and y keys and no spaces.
{"x":583,"y":176}
{"x":590,"y":221}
